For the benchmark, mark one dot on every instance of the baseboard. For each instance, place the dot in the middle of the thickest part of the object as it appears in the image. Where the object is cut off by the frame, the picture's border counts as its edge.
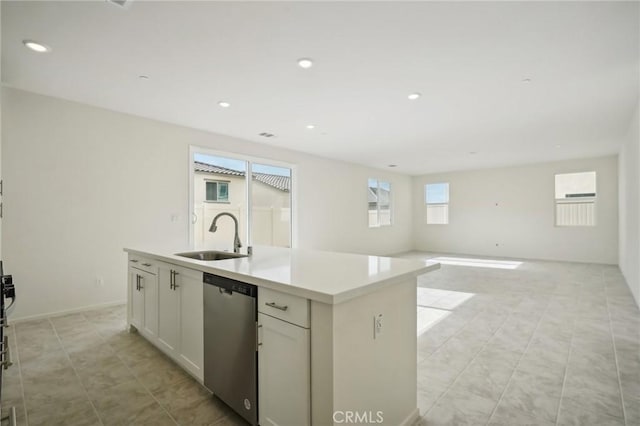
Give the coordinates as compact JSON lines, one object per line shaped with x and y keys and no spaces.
{"x":412,"y":418}
{"x":67,"y":311}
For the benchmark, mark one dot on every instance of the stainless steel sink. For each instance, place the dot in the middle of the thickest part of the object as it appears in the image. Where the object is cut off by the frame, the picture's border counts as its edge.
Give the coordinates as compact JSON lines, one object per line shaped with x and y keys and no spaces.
{"x":210,"y":255}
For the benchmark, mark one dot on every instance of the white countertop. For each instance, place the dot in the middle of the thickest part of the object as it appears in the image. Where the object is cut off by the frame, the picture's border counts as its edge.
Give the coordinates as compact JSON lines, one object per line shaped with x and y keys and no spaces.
{"x":326,"y":277}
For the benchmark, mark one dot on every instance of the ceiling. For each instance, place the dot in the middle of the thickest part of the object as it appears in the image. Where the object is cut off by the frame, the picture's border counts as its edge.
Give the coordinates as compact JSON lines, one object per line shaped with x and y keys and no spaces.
{"x":467,"y":59}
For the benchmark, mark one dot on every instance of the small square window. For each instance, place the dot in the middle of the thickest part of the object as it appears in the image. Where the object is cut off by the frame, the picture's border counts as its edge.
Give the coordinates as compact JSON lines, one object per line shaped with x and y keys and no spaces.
{"x":575,"y":195}
{"x":217,"y":191}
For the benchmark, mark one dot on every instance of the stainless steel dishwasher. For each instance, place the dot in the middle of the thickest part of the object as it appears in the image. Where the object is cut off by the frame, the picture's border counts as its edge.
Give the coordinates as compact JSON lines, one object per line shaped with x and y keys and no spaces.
{"x":230,"y":344}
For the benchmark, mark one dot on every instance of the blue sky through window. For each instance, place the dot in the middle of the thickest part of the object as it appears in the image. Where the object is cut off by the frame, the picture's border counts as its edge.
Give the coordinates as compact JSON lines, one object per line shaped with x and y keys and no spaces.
{"x":437,"y":193}
{"x":240,"y":165}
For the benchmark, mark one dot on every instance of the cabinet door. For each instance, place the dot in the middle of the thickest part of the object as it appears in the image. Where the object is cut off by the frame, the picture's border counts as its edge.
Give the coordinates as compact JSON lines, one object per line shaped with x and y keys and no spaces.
{"x":149,"y":283}
{"x":283,"y":373}
{"x":136,"y":298}
{"x":191,"y":320}
{"x":168,"y":310}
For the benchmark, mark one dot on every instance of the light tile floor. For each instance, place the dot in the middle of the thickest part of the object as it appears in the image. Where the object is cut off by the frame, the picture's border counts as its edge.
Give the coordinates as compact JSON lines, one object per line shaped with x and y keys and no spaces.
{"x":86,"y":369}
{"x":544,"y":343}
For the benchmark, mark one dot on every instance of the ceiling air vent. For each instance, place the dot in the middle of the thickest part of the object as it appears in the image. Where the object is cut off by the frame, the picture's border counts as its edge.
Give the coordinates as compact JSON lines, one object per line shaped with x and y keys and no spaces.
{"x":121,"y":3}
{"x":266,"y":135}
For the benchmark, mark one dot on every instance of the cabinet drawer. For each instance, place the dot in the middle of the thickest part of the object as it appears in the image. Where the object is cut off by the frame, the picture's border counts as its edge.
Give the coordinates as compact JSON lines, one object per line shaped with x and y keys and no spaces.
{"x":284,"y":306}
{"x":142,"y":263}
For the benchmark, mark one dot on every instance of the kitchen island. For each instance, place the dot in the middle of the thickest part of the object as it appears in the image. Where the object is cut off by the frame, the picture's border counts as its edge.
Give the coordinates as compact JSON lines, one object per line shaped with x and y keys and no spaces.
{"x":343,"y":348}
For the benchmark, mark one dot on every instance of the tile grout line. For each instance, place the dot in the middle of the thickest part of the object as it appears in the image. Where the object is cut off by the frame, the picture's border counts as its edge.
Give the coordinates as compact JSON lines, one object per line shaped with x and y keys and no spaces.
{"x":438,"y":349}
{"x":135,"y":376}
{"x":566,"y":367}
{"x":518,"y":363}
{"x":74,"y":368}
{"x":24,"y":400}
{"x":469,"y":363}
{"x":615,"y":351}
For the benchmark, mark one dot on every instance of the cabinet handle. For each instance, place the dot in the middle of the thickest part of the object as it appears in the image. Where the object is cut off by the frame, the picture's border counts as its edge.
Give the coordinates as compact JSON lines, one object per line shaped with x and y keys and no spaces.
{"x":258,"y":342}
{"x":276,"y":306}
{"x":133,"y":261}
{"x":137,"y":282}
{"x":6,"y":354}
{"x":175,"y":285}
{"x":170,"y":279}
{"x":146,"y":264}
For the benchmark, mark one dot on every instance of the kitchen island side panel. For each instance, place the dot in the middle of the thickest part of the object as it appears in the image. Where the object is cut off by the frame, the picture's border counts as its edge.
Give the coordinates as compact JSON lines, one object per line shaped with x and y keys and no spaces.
{"x":376,"y":376}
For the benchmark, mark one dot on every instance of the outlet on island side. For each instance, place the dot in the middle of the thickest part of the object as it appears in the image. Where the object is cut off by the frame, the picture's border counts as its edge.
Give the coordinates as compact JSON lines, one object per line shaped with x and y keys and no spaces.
{"x":377,"y":325}
{"x":99,"y":281}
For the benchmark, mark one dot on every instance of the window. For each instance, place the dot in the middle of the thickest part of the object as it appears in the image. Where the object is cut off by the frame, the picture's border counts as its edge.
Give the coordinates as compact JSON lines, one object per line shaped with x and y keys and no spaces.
{"x":217,"y":191}
{"x":575,"y":199}
{"x":436,"y":196}
{"x":379,"y":198}
{"x":255,"y":191}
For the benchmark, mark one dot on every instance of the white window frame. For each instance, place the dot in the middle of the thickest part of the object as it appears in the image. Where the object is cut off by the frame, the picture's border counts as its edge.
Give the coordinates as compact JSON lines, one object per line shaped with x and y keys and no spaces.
{"x":217,"y":182}
{"x":378,"y":225}
{"x":575,"y":201}
{"x":427,"y":203}
{"x":250,"y":160}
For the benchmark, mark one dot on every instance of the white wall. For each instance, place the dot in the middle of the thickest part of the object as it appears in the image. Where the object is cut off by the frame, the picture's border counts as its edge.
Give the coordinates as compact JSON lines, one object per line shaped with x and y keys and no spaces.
{"x":7,"y":272}
{"x":514,"y":208}
{"x":629,"y":165}
{"x":84,"y":182}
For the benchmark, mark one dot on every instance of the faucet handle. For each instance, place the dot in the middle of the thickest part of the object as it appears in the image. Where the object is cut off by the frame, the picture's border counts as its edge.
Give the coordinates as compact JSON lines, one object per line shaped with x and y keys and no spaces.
{"x":249,"y":250}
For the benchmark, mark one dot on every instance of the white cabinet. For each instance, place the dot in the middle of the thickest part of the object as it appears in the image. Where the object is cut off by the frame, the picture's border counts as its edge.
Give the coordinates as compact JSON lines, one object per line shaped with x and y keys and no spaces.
{"x":166,"y":305}
{"x":191,"y":320}
{"x":169,"y":308}
{"x":143,"y":290}
{"x":136,"y":299}
{"x":180,"y":332}
{"x":284,"y":363}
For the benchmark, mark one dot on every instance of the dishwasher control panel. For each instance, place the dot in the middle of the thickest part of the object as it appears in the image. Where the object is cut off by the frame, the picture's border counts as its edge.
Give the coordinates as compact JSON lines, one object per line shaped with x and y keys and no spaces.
{"x":231,"y":285}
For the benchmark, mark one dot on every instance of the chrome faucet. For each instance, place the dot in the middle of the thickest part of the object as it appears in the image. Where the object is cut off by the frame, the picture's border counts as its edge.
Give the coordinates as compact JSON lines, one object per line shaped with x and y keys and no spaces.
{"x":236,"y":239}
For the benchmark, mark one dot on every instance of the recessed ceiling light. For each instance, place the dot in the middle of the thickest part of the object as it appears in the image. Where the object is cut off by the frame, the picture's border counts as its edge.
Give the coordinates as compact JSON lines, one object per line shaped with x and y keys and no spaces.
{"x":414,"y":96}
{"x":557,"y":146}
{"x":310,"y":126}
{"x":472,"y":152}
{"x":392,"y":165}
{"x":224,"y":104}
{"x":305,"y":63}
{"x":36,"y":47}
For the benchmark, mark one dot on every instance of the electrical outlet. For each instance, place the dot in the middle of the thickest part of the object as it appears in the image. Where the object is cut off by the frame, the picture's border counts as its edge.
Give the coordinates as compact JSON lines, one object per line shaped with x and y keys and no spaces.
{"x":377,"y":325}
{"x":99,"y":281}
